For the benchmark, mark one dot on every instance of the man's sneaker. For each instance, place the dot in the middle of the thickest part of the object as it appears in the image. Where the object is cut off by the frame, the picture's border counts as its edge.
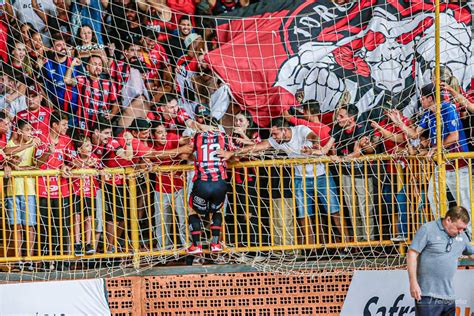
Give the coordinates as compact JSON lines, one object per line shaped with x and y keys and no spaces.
{"x":90,"y":250}
{"x":215,"y":248}
{"x":194,"y":250}
{"x":399,"y":238}
{"x":78,"y":252}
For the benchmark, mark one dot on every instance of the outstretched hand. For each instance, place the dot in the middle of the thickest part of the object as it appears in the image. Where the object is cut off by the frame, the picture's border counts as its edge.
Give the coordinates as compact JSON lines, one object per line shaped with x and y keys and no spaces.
{"x":225,"y":155}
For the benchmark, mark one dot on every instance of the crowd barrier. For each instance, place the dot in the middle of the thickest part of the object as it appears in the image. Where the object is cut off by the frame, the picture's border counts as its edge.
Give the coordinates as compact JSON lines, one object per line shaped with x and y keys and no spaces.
{"x":255,"y":219}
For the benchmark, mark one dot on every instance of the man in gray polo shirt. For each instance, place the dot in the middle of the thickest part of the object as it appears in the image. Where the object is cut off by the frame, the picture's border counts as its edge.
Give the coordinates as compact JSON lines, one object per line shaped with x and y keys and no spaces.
{"x":433,"y":260}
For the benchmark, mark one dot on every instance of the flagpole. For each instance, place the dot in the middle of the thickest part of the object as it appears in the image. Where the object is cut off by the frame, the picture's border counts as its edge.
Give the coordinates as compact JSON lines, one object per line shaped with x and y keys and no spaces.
{"x":439,"y":136}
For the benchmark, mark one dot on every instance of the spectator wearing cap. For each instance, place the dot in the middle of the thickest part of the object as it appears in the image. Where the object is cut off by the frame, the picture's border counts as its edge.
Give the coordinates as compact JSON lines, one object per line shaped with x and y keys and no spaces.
{"x":187,"y":67}
{"x":37,"y":115}
{"x":97,"y":96}
{"x":453,"y":140}
{"x":53,"y":73}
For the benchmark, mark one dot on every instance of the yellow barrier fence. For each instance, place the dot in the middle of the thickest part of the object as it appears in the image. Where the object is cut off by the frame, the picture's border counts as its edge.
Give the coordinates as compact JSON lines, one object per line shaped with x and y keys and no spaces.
{"x":359,"y":203}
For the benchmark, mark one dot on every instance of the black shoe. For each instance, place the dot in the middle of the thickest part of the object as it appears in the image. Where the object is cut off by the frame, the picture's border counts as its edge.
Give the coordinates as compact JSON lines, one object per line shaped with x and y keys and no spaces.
{"x":78,"y":252}
{"x":90,"y":250}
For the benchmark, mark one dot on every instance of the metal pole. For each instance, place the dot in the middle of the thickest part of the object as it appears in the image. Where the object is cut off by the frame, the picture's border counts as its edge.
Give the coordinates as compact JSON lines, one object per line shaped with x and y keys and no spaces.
{"x":439,"y":137}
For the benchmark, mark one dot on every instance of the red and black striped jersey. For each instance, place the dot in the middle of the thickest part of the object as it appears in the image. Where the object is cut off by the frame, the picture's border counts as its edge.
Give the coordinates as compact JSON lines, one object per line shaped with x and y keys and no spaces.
{"x":207,"y":165}
{"x":95,"y":99}
{"x":119,"y":74}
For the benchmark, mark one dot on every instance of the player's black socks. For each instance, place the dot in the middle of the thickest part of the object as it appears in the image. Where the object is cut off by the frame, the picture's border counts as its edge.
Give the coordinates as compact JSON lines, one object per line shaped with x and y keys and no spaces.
{"x":216,"y":226}
{"x":195,"y":223}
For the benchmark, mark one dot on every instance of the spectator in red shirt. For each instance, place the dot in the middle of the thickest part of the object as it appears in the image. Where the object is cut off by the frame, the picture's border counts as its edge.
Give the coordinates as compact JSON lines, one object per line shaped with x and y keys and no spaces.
{"x":5,"y":125}
{"x":97,"y":96}
{"x":175,"y":119}
{"x":169,"y":193}
{"x":114,"y":155}
{"x":394,"y":200}
{"x":102,"y":136}
{"x":55,"y":153}
{"x":310,"y":117}
{"x":142,"y":155}
{"x":84,"y":192}
{"x":156,"y":60}
{"x":37,"y":115}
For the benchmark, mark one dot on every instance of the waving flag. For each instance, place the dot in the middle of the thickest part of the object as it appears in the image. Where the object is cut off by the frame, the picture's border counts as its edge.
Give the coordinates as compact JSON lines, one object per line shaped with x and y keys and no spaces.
{"x":369,"y":48}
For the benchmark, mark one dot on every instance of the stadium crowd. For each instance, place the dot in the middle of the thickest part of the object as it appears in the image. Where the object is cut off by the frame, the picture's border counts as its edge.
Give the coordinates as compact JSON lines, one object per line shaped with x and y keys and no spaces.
{"x":95,"y":84}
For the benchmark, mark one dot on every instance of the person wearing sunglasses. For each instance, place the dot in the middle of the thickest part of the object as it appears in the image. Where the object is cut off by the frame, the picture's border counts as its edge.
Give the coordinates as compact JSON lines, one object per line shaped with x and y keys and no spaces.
{"x":433,"y":260}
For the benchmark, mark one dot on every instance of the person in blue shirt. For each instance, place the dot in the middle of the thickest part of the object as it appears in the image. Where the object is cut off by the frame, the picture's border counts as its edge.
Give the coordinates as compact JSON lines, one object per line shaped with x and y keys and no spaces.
{"x":89,"y":12}
{"x":53,"y":71}
{"x":454,"y":140}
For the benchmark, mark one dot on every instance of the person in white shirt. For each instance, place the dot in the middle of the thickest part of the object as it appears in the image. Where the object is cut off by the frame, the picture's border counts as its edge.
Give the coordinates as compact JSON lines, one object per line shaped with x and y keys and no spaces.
{"x":11,"y":99}
{"x":292,"y":141}
{"x":25,"y":12}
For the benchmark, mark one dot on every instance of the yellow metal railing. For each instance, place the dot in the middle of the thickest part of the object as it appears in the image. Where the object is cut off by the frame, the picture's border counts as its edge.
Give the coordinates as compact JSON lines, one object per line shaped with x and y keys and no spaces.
{"x":256,"y":218}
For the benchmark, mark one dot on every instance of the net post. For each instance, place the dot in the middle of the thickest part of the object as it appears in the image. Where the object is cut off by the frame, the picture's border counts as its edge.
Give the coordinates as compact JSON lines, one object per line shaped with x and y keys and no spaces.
{"x":132,"y":184}
{"x":439,"y":139}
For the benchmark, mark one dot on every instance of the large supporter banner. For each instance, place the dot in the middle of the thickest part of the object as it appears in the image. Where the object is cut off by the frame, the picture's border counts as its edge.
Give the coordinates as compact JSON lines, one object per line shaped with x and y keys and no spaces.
{"x":65,"y":298}
{"x":387,"y":292}
{"x":367,"y":49}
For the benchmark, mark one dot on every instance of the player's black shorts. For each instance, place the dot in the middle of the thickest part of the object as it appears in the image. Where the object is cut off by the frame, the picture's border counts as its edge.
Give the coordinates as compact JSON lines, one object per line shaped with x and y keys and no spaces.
{"x":208,"y":196}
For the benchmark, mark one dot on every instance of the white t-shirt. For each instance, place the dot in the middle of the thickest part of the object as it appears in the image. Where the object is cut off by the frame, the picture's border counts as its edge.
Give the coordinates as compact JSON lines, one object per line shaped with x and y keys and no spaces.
{"x":293,"y":150}
{"x":25,"y":13}
{"x":19,"y":104}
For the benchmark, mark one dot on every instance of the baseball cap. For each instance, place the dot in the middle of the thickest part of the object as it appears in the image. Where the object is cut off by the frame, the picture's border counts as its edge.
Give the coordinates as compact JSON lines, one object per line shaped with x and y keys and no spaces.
{"x":428,"y":90}
{"x":139,"y":124}
{"x":202,"y":110}
{"x":190,"y":39}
